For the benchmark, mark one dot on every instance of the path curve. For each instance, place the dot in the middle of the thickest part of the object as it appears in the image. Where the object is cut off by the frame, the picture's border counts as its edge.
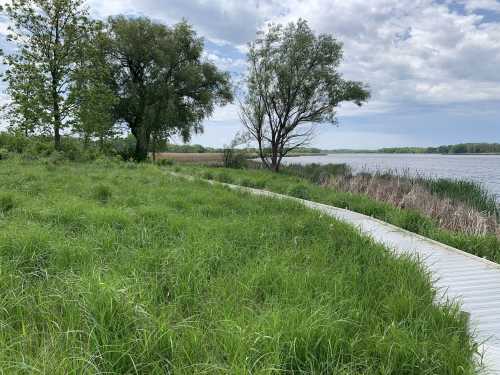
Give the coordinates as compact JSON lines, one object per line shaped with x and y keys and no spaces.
{"x":460,"y":276}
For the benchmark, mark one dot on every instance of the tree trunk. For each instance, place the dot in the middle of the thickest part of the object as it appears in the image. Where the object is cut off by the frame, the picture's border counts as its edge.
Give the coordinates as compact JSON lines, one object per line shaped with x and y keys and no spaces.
{"x":142,"y":144}
{"x":275,"y":160}
{"x":57,"y":135}
{"x":56,"y":113}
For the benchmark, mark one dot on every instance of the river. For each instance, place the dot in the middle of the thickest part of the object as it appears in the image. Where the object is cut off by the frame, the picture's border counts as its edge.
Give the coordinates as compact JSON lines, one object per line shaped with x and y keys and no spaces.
{"x":484,"y":169}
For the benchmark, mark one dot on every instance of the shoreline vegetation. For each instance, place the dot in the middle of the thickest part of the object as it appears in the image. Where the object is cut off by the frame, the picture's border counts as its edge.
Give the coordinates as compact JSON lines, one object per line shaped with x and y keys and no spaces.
{"x":118,"y":267}
{"x":457,"y":149}
{"x":458,"y":213}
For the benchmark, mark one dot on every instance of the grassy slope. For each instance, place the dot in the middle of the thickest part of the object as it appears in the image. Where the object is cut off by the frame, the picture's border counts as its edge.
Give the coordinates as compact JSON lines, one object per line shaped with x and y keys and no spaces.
{"x":115,"y":268}
{"x":483,"y":246}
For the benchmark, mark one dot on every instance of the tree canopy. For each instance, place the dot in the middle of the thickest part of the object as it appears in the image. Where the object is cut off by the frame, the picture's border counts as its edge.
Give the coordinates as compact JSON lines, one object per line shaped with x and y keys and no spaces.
{"x":164,"y":86}
{"x":69,"y":71}
{"x":48,"y":35}
{"x":293,"y":83}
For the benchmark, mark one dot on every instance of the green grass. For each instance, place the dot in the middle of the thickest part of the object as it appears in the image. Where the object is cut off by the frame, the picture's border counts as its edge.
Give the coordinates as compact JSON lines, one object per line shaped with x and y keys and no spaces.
{"x":114,"y":268}
{"x":468,"y":192}
{"x":487,"y":246}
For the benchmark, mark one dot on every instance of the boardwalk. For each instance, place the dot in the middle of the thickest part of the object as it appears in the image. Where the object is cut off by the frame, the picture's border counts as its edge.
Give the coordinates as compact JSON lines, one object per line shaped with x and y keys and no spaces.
{"x":473,"y":281}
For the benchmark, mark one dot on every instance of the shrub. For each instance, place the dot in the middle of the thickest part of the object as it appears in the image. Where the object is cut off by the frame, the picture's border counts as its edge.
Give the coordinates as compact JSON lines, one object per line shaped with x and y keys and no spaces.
{"x":165,"y":162}
{"x":7,"y":203}
{"x":13,"y":142}
{"x":299,"y":191}
{"x":4,"y":154}
{"x":102,"y":193}
{"x":234,"y":159}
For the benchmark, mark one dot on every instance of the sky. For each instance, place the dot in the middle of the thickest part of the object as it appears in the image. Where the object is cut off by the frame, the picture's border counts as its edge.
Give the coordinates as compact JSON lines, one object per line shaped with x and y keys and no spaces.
{"x":433,"y":66}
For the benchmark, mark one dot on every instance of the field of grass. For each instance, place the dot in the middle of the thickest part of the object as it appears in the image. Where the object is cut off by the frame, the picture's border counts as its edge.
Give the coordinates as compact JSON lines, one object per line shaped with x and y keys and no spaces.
{"x":487,"y":246}
{"x":116,"y":268}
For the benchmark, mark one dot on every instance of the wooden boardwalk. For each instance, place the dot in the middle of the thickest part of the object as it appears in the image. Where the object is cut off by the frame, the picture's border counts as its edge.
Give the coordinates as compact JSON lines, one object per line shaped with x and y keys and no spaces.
{"x":473,"y":281}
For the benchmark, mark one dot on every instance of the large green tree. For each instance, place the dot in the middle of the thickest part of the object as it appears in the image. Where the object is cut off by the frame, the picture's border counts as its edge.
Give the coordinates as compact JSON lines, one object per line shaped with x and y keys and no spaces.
{"x":293,"y":83}
{"x":93,"y":89}
{"x":164,"y":85}
{"x":48,"y":34}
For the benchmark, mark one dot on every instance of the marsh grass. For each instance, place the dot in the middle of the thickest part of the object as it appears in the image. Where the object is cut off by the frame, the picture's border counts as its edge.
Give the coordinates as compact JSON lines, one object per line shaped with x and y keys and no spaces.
{"x":181,"y":277}
{"x":389,"y":199}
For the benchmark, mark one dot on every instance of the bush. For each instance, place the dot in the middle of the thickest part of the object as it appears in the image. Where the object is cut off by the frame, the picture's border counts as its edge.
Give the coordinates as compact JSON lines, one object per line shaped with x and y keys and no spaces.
{"x":299,"y":191}
{"x":102,"y":193}
{"x":4,"y":154}
{"x":165,"y":162}
{"x":7,"y":203}
{"x":234,"y":159}
{"x":13,"y":142}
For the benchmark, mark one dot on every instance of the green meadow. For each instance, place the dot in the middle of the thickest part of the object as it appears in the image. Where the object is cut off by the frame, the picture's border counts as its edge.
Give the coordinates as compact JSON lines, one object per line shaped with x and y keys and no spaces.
{"x":304,"y":185}
{"x":120,"y":268}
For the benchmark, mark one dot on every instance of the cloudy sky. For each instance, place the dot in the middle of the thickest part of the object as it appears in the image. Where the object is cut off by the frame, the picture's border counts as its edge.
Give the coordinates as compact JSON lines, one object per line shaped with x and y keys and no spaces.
{"x":433,"y":65}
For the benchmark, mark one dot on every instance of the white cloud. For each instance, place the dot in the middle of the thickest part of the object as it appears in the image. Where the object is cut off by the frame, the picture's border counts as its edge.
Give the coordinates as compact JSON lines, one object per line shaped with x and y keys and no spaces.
{"x":473,"y":5}
{"x":412,"y":53}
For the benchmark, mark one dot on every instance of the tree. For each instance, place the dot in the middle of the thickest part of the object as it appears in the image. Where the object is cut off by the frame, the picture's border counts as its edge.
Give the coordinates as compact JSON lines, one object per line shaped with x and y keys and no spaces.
{"x":93,"y":89}
{"x":24,"y":112}
{"x":164,"y":86}
{"x":293,"y":83}
{"x":48,"y":35}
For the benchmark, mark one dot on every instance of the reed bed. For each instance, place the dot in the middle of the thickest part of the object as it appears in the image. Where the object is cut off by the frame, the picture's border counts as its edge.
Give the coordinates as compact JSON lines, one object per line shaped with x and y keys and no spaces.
{"x":408,"y":193}
{"x":456,"y":205}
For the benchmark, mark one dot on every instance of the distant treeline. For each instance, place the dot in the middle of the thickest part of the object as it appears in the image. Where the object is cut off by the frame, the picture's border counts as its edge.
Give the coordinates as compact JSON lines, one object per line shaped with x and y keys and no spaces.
{"x":463,"y":148}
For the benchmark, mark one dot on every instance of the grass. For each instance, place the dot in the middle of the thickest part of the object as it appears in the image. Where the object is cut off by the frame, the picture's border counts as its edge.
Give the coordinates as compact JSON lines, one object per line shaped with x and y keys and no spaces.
{"x":487,"y":245}
{"x":180,"y":277}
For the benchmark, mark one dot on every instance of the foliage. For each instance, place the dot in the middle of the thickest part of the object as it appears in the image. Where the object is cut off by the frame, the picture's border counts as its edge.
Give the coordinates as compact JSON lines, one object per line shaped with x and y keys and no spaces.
{"x":165,"y":87}
{"x":49,"y":35}
{"x":234,"y":158}
{"x":293,"y":82}
{"x":177,"y":276}
{"x":93,"y":89}
{"x":463,"y":148}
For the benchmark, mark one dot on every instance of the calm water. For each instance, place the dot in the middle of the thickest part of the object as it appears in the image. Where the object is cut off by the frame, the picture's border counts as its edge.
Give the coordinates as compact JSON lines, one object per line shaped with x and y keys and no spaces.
{"x":480,"y":168}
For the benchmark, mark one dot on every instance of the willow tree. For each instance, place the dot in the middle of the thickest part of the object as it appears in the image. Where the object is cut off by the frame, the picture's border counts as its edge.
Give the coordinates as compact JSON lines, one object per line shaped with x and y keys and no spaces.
{"x":164,"y":85}
{"x":293,"y":84}
{"x":48,"y":35}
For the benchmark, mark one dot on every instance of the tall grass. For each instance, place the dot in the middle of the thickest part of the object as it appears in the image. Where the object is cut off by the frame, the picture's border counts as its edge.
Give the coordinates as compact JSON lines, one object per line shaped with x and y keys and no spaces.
{"x":470,"y":193}
{"x":179,"y":277}
{"x":413,"y":208}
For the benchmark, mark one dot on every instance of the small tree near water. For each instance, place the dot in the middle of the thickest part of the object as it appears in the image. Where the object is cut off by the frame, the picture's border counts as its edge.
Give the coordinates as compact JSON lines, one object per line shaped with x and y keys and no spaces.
{"x":293,"y":83}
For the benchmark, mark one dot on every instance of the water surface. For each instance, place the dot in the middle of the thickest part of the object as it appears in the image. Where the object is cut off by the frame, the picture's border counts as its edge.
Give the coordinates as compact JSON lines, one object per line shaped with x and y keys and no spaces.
{"x":484,"y":169}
